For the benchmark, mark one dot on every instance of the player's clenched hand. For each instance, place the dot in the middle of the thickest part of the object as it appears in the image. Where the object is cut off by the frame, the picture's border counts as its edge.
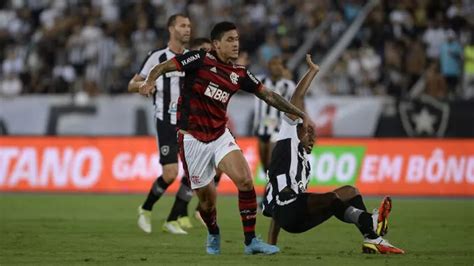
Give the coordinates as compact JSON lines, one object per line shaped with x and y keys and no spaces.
{"x":147,"y":88}
{"x":311,"y":64}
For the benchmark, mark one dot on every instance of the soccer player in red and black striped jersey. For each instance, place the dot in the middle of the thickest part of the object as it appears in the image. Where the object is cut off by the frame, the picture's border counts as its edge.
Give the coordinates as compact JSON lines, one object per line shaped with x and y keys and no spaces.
{"x":205,"y":142}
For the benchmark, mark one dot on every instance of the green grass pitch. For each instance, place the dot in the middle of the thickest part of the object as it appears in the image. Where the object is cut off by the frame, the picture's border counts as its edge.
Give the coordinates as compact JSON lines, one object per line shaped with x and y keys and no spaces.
{"x":89,"y":229}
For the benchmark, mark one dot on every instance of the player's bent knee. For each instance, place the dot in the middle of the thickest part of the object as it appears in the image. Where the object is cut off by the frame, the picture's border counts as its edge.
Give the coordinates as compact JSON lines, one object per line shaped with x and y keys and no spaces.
{"x":207,"y":205}
{"x":350,"y":190}
{"x":170,"y":174}
{"x":169,"y":178}
{"x":356,"y":191}
{"x":333,"y":196}
{"x":245,"y":184}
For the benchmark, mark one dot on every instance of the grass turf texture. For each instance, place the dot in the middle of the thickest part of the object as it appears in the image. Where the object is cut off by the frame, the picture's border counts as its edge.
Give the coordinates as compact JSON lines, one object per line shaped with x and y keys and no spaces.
{"x":101,"y":230}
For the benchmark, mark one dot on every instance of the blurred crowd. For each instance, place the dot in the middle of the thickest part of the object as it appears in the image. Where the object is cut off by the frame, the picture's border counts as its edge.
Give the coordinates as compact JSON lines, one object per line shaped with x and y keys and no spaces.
{"x":404,"y":40}
{"x":57,"y":46}
{"x":62,"y":46}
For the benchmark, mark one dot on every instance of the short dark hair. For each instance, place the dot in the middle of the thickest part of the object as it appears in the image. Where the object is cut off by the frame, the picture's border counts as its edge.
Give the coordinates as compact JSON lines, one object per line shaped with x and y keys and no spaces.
{"x":172,"y":19}
{"x":220,"y":28}
{"x":198,"y":42}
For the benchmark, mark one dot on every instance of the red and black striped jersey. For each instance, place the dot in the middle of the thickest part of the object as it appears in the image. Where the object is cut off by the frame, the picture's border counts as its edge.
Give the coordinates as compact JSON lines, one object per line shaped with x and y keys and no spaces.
{"x":208,"y":86}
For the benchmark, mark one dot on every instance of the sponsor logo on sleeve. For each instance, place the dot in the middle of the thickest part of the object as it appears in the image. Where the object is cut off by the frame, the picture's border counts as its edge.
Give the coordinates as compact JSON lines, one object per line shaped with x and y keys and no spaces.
{"x":252,"y":77}
{"x":211,"y":56}
{"x":190,"y":59}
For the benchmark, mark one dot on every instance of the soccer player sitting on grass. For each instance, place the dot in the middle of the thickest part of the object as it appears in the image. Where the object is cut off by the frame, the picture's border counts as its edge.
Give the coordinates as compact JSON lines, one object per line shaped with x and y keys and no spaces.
{"x":297,"y":211}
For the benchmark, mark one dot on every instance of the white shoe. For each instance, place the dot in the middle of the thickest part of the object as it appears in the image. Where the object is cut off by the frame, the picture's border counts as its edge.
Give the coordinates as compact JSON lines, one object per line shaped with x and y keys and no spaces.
{"x":185,"y":223}
{"x":173,"y":227}
{"x":144,"y":220}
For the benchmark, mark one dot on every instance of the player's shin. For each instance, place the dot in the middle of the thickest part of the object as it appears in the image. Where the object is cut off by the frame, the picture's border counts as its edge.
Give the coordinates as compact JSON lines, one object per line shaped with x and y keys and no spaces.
{"x":349,"y":214}
{"x":357,"y":202}
{"x":183,"y":197}
{"x":157,"y":189}
{"x":364,"y":224}
{"x":248,"y":213}
{"x":210,"y":219}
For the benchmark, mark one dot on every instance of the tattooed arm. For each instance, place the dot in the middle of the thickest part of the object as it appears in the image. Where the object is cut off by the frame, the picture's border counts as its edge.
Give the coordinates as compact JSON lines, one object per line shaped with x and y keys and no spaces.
{"x":147,"y":87}
{"x":280,"y":103}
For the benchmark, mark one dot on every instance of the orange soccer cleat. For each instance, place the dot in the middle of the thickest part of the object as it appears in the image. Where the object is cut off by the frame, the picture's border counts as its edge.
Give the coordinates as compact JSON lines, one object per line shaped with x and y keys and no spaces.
{"x":380,"y":216}
{"x":380,"y":246}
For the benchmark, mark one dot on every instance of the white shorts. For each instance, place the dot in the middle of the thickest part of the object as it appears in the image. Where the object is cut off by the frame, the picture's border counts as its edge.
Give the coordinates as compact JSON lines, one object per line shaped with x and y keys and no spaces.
{"x":201,"y":159}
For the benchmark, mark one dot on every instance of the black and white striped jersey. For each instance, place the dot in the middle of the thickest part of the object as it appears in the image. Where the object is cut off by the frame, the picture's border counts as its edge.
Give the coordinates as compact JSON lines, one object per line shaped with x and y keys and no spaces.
{"x":165,"y":98}
{"x":267,"y":118}
{"x":289,"y":168}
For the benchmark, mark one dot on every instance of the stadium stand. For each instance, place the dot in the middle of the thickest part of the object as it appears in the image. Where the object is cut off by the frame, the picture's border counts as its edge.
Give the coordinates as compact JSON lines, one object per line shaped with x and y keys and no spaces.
{"x":67,"y":46}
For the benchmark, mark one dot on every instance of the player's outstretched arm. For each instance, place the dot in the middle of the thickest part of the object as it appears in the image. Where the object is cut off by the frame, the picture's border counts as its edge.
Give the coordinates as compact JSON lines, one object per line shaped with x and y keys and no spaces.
{"x":148,"y":86}
{"x":135,"y":83}
{"x":280,"y":103}
{"x":297,"y":99}
{"x":273,"y":232}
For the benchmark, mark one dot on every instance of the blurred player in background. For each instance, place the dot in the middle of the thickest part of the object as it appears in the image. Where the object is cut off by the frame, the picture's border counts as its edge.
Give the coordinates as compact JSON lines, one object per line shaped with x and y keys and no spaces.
{"x":165,"y":100}
{"x":267,"y":118}
{"x":205,"y":141}
{"x":297,"y":211}
{"x":200,"y":44}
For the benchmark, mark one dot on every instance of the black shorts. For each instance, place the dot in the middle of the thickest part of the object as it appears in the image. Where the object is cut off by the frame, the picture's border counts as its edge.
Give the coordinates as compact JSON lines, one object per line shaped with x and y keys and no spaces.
{"x":167,"y":142}
{"x":306,"y":212}
{"x":290,"y":216}
{"x":264,"y":138}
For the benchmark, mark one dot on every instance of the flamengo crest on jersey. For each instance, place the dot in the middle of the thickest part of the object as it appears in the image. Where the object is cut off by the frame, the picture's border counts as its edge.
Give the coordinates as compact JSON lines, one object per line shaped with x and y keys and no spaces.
{"x":234,"y":78}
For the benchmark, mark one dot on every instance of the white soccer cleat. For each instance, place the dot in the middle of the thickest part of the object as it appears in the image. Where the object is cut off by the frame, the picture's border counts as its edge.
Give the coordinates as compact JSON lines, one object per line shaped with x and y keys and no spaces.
{"x":173,"y":227}
{"x":380,"y":246}
{"x":144,"y":220}
{"x":185,"y":223}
